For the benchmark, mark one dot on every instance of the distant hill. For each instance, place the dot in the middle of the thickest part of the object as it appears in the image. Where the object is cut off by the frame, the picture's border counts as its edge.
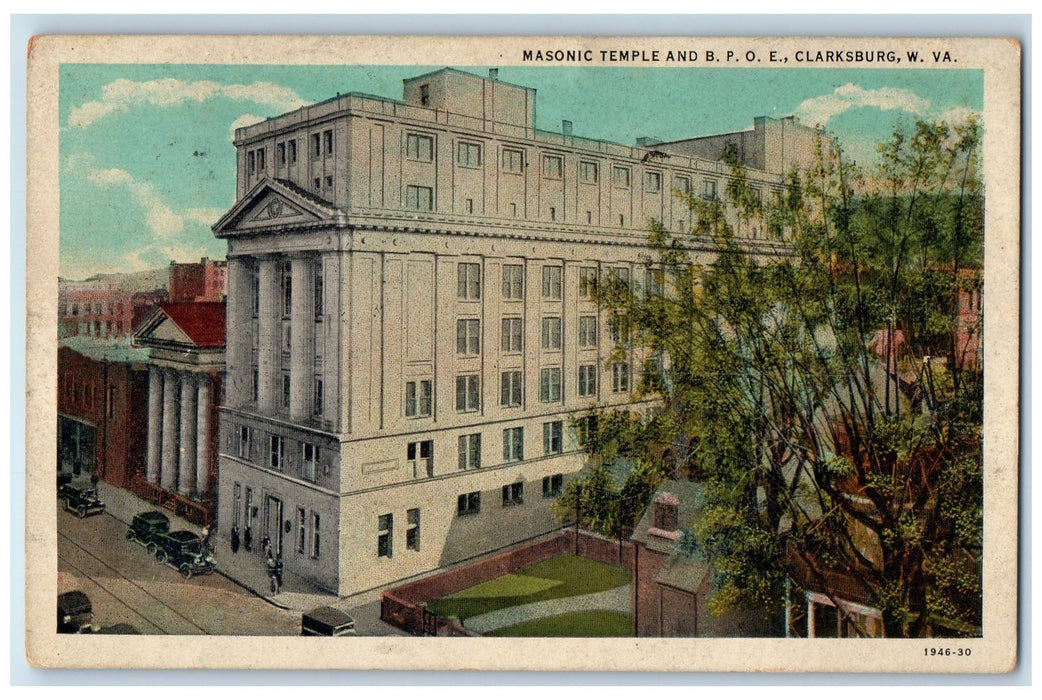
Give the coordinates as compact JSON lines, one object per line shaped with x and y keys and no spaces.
{"x":144,"y":281}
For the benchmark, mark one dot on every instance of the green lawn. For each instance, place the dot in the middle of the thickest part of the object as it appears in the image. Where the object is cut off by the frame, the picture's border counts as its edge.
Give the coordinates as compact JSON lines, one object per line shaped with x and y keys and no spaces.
{"x":588,"y":623}
{"x":560,"y":577}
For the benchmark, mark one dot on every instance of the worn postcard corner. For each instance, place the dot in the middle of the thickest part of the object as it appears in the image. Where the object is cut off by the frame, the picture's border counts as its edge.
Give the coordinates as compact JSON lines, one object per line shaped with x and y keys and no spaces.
{"x":540,"y":353}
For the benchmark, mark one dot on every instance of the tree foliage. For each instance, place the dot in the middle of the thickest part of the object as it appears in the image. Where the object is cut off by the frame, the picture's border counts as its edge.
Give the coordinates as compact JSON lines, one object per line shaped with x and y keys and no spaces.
{"x":821,"y":386}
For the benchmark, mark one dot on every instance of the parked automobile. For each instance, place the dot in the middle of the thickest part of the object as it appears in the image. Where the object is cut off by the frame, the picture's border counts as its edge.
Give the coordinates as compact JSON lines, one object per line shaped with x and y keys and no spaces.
{"x":327,"y":622}
{"x":184,"y":551}
{"x":82,"y":501}
{"x":146,"y":527}
{"x":75,"y":613}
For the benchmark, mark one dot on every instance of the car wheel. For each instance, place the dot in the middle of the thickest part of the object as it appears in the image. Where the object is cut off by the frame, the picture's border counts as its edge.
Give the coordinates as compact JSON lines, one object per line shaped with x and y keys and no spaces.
{"x":82,"y":511}
{"x":130,"y":534}
{"x":186,"y":571}
{"x":66,"y":506}
{"x":161,"y":557}
{"x":152,"y":548}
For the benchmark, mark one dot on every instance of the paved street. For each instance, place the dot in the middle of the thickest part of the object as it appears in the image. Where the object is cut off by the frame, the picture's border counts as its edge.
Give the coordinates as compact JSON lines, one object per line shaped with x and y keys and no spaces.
{"x":126,"y":585}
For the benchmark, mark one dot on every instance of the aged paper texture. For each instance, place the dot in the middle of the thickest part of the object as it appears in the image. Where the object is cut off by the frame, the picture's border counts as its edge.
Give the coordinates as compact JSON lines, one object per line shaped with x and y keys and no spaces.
{"x":337,"y":310}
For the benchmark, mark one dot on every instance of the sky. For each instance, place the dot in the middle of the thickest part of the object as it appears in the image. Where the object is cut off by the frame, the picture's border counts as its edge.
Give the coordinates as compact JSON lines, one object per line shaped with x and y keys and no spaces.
{"x":148,"y":165}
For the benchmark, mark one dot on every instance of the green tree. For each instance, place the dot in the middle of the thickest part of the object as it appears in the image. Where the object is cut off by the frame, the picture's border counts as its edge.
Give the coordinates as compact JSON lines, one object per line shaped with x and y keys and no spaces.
{"x":821,"y":386}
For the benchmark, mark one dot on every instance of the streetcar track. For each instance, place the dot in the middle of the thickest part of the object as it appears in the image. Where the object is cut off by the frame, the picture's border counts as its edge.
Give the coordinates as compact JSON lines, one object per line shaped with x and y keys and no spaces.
{"x":133,"y":583}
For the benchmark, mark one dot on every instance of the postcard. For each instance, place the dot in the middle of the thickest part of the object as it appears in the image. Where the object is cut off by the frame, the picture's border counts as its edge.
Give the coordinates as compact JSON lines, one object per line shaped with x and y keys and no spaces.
{"x":523,"y":353}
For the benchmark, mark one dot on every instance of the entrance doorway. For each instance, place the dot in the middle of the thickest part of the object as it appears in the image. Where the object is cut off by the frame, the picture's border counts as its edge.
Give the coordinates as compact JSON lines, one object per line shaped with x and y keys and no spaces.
{"x":273,"y":523}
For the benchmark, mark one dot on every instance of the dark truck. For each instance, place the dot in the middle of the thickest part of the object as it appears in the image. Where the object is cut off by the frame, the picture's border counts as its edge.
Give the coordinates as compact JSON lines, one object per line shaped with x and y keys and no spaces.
{"x":146,"y":527}
{"x":75,"y":613}
{"x":82,"y":501}
{"x":184,"y":551}
{"x":327,"y":622}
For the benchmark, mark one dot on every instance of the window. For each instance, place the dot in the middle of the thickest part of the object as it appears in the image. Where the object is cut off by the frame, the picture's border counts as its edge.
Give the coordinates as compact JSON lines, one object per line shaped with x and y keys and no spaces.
{"x":587,"y":282}
{"x":552,"y":485}
{"x":384,"y":535}
{"x":260,"y":160}
{"x":468,"y":281}
{"x":251,"y":162}
{"x":329,"y":181}
{"x":425,"y":94}
{"x":513,"y":444}
{"x":652,"y":182}
{"x":510,"y":389}
{"x":468,"y":336}
{"x":316,"y":145}
{"x":317,"y":183}
{"x":419,"y":198}
{"x":237,"y":505}
{"x":309,"y":462}
{"x":709,"y":189}
{"x":620,"y":176}
{"x":287,"y":337}
{"x":412,"y":529}
{"x":552,"y":281}
{"x":513,"y":282}
{"x":470,"y":206}
{"x":620,"y":329}
{"x":620,"y":376}
{"x":587,"y":331}
{"x":255,"y":288}
{"x":587,"y":380}
{"x":665,"y":512}
{"x":553,"y":214}
{"x":110,"y":401}
{"x":319,"y":291}
{"x":587,"y":171}
{"x":622,"y":274}
{"x":682,"y":185}
{"x":468,"y":393}
{"x":553,"y":437}
{"x":589,"y":216}
{"x":470,"y":451}
{"x":287,"y":289}
{"x":292,"y":146}
{"x":468,"y":503}
{"x":550,"y":384}
{"x":622,"y":219}
{"x":513,"y":161}
{"x":514,"y":494}
{"x":512,"y":337}
{"x":468,"y":155}
{"x":315,"y":539}
{"x":513,"y":209}
{"x":255,"y":385}
{"x":418,"y":399}
{"x":276,"y":452}
{"x":654,"y":282}
{"x":285,"y":391}
{"x":420,"y":456}
{"x":244,"y":442}
{"x":327,"y":141}
{"x":280,"y":153}
{"x":302,"y":533}
{"x":419,"y":147}
{"x":551,"y":333}
{"x":552,"y":166}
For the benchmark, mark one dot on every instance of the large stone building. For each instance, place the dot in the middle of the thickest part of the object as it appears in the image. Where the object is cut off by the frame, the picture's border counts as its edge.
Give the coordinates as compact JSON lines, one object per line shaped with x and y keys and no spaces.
{"x":410,"y":324}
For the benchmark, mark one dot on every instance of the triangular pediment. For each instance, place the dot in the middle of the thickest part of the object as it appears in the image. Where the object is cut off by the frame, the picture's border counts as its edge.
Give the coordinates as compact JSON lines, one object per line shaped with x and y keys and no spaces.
{"x":274,"y":204}
{"x":159,"y":330}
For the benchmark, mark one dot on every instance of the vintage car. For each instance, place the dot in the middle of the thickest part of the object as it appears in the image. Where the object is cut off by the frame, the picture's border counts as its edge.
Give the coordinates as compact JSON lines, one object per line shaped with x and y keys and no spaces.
{"x":75,"y":613}
{"x":184,"y":551}
{"x":327,"y":622}
{"x":82,"y":501}
{"x":146,"y":527}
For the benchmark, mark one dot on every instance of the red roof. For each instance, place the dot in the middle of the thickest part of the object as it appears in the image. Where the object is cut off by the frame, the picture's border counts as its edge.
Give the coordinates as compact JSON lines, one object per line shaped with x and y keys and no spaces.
{"x":202,"y":321}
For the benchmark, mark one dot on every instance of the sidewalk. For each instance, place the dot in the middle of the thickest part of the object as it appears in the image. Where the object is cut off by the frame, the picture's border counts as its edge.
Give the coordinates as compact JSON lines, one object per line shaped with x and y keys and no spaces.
{"x":615,"y":599}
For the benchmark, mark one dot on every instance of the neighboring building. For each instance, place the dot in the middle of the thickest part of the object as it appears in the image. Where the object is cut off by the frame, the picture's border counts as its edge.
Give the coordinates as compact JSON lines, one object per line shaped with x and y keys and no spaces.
{"x":185,"y":345}
{"x":410,"y":324}
{"x":102,"y":392}
{"x":671,"y":585}
{"x":100,"y":311}
{"x":206,"y":280}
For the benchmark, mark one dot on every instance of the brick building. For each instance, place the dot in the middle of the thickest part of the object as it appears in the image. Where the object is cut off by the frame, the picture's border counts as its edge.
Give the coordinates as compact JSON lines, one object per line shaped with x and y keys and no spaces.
{"x":206,"y":280}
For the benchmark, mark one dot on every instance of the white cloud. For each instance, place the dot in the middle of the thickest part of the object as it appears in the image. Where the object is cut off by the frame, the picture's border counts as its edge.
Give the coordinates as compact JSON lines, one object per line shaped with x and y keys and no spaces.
{"x":244,"y":120}
{"x":160,"y":218}
{"x":819,"y":110}
{"x":120,"y":95}
{"x":207,"y":216}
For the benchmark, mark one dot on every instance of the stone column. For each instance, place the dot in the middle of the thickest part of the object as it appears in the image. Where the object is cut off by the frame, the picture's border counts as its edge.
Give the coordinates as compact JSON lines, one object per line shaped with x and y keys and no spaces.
{"x":240,"y":329}
{"x":186,"y":473}
{"x":155,"y":423}
{"x":302,"y":337}
{"x":202,"y":445}
{"x":171,"y":413}
{"x":268,"y":351}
